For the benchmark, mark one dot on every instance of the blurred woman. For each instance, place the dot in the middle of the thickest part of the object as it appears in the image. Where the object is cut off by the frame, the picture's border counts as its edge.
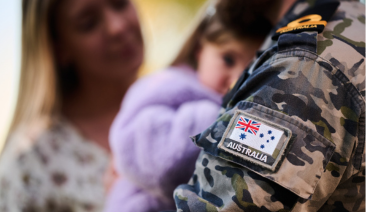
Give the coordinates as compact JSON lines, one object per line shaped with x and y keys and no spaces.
{"x":78,"y":59}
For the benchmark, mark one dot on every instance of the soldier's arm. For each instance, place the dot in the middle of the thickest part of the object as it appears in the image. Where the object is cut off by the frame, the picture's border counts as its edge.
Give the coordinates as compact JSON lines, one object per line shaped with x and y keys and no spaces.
{"x":317,"y":162}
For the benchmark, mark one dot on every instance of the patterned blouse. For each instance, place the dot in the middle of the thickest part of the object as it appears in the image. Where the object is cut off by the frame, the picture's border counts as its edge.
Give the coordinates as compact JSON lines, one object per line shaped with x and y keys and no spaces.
{"x":58,"y":171}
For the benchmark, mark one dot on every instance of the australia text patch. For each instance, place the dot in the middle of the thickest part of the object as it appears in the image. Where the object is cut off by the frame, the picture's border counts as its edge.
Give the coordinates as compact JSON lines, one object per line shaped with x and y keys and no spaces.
{"x":256,"y":140}
{"x":313,"y":19}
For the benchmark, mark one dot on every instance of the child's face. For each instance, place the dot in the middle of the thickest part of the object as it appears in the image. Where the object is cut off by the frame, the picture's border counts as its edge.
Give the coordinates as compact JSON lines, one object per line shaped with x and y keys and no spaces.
{"x":220,"y":65}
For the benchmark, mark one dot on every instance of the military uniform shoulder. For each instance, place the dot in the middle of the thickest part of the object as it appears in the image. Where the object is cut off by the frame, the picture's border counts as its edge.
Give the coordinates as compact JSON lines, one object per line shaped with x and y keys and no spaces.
{"x":334,"y":32}
{"x":342,"y":42}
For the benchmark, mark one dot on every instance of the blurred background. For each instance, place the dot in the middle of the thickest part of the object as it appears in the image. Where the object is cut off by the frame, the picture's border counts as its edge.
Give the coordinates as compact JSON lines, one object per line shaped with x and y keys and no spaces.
{"x":165,"y":25}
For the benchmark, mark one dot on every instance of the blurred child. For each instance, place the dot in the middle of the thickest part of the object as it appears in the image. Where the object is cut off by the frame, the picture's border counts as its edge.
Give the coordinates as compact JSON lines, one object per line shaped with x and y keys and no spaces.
{"x":150,"y":135}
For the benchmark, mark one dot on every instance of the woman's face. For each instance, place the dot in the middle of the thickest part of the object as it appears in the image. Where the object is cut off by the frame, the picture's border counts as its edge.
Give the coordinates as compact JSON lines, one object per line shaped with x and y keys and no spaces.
{"x":100,"y":38}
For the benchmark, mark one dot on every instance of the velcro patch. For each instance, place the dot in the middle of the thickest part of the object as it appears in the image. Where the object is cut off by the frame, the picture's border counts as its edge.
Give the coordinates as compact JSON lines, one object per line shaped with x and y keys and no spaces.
{"x":255,"y":139}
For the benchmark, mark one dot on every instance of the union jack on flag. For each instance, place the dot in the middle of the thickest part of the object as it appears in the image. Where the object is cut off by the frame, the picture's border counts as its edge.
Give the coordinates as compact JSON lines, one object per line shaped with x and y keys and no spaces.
{"x":248,"y":125}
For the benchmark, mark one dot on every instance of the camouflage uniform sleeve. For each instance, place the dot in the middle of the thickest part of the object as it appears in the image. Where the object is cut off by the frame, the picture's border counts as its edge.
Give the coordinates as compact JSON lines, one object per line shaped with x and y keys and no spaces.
{"x":320,"y":167}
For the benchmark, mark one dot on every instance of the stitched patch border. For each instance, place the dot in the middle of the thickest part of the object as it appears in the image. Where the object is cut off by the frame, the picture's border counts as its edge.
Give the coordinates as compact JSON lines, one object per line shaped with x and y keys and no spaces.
{"x":254,"y":155}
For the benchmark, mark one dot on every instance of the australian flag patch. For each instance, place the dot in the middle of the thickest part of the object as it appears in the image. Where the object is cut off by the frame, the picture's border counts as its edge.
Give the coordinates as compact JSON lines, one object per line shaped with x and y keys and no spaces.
{"x":256,"y":140}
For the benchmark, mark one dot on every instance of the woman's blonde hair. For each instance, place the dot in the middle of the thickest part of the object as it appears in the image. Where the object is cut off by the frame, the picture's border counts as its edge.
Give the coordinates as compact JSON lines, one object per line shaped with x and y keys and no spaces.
{"x":240,"y":19}
{"x":38,"y":94}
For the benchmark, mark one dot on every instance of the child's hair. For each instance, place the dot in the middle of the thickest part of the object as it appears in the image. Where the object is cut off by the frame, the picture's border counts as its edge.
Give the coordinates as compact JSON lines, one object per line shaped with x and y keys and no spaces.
{"x":238,"y":18}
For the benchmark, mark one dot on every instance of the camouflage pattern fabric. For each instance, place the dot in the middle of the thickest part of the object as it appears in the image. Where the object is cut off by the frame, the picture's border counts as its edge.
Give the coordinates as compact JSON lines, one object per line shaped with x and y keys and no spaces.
{"x":314,"y":85}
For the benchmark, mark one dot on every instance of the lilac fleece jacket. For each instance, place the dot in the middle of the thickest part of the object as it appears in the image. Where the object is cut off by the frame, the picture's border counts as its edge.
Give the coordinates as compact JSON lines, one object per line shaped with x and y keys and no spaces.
{"x":150,"y":138}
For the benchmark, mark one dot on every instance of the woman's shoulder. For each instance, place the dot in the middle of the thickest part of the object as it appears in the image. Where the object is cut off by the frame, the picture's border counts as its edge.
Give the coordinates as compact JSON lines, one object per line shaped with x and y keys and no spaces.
{"x":22,"y":139}
{"x":53,"y":162}
{"x":42,"y":145}
{"x":27,"y":135}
